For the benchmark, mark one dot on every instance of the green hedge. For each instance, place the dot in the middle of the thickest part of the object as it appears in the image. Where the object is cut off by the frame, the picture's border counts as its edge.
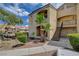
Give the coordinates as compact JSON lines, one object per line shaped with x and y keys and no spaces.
{"x":74,"y":40}
{"x":22,"y":37}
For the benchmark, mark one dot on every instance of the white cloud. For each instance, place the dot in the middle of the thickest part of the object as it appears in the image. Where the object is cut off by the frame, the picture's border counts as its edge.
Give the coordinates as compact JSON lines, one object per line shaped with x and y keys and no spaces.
{"x":27,"y":21}
{"x":21,"y":12}
{"x":26,"y":25}
{"x":9,"y":9}
{"x":25,"y":13}
{"x":17,"y":11}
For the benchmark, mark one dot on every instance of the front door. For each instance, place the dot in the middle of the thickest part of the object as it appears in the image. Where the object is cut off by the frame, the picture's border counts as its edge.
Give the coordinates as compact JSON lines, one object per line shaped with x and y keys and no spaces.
{"x":39,"y":31}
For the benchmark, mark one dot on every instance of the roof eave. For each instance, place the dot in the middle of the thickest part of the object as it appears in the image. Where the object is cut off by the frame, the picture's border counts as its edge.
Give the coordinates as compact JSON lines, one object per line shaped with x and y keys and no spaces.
{"x":42,"y":7}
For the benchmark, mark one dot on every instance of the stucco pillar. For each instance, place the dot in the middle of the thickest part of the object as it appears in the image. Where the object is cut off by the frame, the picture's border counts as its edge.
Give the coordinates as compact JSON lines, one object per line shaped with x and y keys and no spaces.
{"x":77,"y":18}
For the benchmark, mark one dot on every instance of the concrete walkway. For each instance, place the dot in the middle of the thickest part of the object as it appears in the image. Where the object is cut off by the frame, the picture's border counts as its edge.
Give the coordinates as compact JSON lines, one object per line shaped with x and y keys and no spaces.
{"x":66,"y":52}
{"x":28,"y":51}
{"x":45,"y":50}
{"x":64,"y":42}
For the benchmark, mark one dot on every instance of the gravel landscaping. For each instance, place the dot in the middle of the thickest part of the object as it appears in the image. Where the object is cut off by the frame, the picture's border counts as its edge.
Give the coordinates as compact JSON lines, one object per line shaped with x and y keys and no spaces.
{"x":8,"y":45}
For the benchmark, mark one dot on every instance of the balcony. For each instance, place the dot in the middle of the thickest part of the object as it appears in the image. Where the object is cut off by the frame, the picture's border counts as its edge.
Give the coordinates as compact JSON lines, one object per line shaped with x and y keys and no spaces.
{"x":68,"y":23}
{"x":67,"y":11}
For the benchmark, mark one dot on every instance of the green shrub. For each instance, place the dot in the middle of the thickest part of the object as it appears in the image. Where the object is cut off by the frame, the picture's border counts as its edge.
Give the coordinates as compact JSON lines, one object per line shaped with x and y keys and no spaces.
{"x":33,"y":33}
{"x":22,"y":37}
{"x":74,"y":41}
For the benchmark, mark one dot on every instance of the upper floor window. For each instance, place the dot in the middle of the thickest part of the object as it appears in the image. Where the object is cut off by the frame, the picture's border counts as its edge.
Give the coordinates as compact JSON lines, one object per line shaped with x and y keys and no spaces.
{"x":44,"y":12}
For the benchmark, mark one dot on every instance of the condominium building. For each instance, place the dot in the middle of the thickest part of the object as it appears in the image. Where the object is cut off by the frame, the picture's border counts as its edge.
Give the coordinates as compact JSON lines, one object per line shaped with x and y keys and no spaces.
{"x":63,"y":21}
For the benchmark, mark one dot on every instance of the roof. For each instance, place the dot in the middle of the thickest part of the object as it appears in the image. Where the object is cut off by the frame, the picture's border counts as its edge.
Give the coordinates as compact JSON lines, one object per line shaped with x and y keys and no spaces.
{"x":48,"y":5}
{"x":61,"y":6}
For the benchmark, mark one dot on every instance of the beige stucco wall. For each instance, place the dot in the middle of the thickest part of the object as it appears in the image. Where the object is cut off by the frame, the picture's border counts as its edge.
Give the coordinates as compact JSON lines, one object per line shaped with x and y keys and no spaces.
{"x":52,"y":15}
{"x":66,"y":11}
{"x":68,"y":30}
{"x":51,"y":18}
{"x":77,"y":17}
{"x":32,"y":25}
{"x":68,"y":21}
{"x":69,"y":25}
{"x":68,"y":16}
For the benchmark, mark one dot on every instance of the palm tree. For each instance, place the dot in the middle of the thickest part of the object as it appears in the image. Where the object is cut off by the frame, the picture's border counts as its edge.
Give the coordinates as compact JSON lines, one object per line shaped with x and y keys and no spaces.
{"x":44,"y":25}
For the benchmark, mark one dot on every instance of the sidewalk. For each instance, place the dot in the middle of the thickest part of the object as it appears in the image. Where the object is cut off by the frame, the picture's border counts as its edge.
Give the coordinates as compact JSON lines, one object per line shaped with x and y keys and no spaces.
{"x":28,"y":51}
{"x":65,"y":52}
{"x":45,"y":50}
{"x":63,"y":42}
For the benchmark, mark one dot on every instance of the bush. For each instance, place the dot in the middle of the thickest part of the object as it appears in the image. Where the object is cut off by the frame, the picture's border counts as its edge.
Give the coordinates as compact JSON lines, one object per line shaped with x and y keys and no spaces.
{"x":74,"y":41}
{"x":22,"y":37}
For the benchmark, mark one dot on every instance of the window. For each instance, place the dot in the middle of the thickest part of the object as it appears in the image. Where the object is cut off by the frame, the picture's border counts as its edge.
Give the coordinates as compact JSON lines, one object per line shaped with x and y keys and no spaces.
{"x":39,"y":31}
{"x":43,"y":12}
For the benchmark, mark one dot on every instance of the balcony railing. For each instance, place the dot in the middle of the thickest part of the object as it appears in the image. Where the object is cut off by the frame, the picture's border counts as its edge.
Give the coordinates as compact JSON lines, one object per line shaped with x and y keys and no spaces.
{"x":67,"y":11}
{"x":69,"y":23}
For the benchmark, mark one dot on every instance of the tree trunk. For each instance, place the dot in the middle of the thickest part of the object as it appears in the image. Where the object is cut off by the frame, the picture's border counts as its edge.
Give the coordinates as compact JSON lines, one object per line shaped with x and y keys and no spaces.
{"x":42,"y":34}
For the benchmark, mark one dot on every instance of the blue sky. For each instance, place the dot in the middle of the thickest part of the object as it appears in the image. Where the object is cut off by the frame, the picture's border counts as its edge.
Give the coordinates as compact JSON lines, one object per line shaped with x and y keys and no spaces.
{"x":23,"y":9}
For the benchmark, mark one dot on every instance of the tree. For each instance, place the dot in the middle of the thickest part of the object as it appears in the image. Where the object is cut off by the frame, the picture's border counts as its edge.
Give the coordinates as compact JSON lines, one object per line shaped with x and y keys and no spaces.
{"x":9,"y":18}
{"x":44,"y":25}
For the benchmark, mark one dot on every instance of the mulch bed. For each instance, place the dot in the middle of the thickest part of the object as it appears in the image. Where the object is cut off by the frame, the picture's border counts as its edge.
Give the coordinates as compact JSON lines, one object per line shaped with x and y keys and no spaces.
{"x":31,"y":44}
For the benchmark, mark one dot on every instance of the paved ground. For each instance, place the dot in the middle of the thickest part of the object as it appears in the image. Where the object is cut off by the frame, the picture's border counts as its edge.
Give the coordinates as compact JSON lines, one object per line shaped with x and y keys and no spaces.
{"x":29,"y":51}
{"x":64,"y":42}
{"x":66,"y":52}
{"x":52,"y":49}
{"x":45,"y":50}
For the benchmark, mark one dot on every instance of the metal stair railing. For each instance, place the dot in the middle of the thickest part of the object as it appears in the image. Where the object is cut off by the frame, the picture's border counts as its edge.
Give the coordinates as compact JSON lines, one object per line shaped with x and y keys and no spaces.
{"x":57,"y":34}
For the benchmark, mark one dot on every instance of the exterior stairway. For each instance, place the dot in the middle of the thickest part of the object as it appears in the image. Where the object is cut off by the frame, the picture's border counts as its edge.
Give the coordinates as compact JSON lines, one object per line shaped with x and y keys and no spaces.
{"x":63,"y":42}
{"x":58,"y":41}
{"x":57,"y":34}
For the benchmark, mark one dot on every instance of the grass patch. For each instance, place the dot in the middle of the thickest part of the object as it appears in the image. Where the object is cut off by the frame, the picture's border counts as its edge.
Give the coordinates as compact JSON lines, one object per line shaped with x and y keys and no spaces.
{"x":74,"y":40}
